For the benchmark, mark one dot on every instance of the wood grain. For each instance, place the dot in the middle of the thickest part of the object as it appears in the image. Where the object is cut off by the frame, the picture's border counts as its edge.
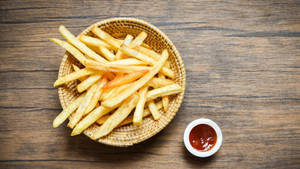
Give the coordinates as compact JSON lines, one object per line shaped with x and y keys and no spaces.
{"x":243,"y":71}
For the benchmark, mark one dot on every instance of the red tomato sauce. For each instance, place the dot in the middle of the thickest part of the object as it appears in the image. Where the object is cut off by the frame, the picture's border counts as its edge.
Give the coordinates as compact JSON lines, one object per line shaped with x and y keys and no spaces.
{"x":203,"y":137}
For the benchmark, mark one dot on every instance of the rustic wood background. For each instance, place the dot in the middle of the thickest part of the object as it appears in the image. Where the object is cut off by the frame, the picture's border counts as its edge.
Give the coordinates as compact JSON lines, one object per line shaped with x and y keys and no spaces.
{"x":243,"y":71}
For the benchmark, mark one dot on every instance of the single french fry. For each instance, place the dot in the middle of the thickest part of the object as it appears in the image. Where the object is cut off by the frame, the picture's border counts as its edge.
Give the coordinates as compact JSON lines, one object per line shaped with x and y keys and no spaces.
{"x":78,"y":44}
{"x":91,"y":41}
{"x":114,"y":68}
{"x":127,"y":41}
{"x":164,"y":91}
{"x":107,"y":54}
{"x":90,"y":119}
{"x":139,"y":110}
{"x":158,"y":82}
{"x":168,"y":72}
{"x":76,"y":69}
{"x":165,"y":101}
{"x":138,"y":40}
{"x":106,"y":37}
{"x":67,"y":111}
{"x":73,"y":76}
{"x":127,"y":62}
{"x":125,"y":79}
{"x":129,"y":119}
{"x":72,"y":50}
{"x":134,"y":53}
{"x":88,"y":82}
{"x":82,"y":108}
{"x":115,"y":101}
{"x":117,"y":117}
{"x":154,"y":110}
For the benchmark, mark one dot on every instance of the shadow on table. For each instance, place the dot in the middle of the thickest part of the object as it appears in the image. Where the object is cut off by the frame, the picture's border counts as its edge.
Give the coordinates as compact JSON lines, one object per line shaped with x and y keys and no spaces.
{"x":82,"y":147}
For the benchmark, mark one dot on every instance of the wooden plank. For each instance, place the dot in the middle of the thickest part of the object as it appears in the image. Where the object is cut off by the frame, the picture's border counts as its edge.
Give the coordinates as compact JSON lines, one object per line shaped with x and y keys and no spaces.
{"x":242,"y":62}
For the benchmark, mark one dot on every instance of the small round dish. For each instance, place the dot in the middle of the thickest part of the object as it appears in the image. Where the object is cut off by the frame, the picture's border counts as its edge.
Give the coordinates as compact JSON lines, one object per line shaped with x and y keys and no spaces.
{"x":196,"y":152}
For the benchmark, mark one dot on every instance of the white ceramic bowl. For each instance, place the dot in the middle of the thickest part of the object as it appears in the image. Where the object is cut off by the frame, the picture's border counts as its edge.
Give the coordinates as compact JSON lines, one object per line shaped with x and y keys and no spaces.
{"x":196,"y":152}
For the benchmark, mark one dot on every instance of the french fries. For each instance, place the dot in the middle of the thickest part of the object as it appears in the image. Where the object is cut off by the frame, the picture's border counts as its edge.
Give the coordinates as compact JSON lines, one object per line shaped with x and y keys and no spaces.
{"x":106,"y":37}
{"x":88,"y":82}
{"x":73,"y":76}
{"x":76,"y":69}
{"x":91,"y":41}
{"x":127,"y":62}
{"x":81,"y":46}
{"x":129,"y":119}
{"x":138,"y":84}
{"x":163,"y":91}
{"x":107,"y":54}
{"x":118,"y":76}
{"x":72,"y":50}
{"x":117,"y":117}
{"x":67,"y":111}
{"x":154,"y":110}
{"x":125,"y":79}
{"x":138,"y":113}
{"x":131,"y":52}
{"x":85,"y":103}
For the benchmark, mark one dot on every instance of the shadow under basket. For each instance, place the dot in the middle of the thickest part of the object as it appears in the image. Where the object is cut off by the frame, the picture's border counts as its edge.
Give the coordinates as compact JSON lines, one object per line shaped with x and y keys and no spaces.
{"x":129,"y":134}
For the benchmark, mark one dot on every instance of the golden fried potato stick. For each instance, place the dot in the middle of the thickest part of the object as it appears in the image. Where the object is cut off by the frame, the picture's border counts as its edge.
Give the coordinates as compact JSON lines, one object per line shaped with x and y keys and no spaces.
{"x":67,"y":111}
{"x":114,"y":68}
{"x":126,"y":41}
{"x":117,"y":117}
{"x":72,"y":50}
{"x":125,"y":79}
{"x":78,"y":44}
{"x":113,"y":102}
{"x":127,"y":62}
{"x":154,"y":110}
{"x":165,"y":99}
{"x":91,"y":41}
{"x":76,"y":69}
{"x":85,"y":103}
{"x":73,"y":76}
{"x":159,"y":82}
{"x":139,"y":110}
{"x":88,"y":82}
{"x":164,"y":91}
{"x":129,"y":119}
{"x":107,"y":54}
{"x":90,"y":119}
{"x":106,"y":37}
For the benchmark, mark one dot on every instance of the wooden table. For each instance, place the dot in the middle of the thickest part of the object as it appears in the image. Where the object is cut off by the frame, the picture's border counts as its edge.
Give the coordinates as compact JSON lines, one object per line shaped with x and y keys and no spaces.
{"x":243,"y":71}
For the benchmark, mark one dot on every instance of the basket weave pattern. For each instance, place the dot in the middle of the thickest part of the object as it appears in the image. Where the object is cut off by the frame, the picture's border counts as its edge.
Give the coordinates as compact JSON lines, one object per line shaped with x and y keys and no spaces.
{"x":129,"y":134}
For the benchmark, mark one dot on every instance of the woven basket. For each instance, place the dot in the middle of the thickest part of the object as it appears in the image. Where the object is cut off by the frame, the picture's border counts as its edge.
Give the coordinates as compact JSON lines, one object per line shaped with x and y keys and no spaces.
{"x":119,"y":27}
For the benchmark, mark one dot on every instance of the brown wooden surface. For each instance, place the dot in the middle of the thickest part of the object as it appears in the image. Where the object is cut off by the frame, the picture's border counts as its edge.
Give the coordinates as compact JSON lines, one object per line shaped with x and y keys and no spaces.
{"x":243,"y":71}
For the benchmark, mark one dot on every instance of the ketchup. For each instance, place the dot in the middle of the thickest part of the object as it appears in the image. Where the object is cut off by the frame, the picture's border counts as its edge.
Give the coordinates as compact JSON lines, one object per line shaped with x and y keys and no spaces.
{"x":203,"y":137}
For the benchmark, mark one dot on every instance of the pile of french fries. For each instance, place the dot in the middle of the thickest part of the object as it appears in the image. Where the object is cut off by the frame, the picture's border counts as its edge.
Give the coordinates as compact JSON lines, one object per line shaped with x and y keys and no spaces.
{"x":123,"y":81}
